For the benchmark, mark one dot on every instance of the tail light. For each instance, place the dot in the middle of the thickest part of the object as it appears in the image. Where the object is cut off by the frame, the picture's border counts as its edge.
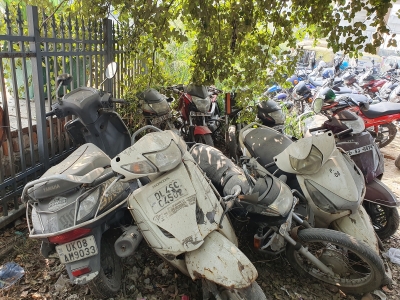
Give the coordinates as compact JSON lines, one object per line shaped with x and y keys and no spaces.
{"x":69,"y":236}
{"x":80,"y":272}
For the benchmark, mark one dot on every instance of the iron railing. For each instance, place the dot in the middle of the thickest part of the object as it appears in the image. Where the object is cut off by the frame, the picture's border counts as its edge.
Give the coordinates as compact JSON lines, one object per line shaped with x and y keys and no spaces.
{"x":32,"y":53}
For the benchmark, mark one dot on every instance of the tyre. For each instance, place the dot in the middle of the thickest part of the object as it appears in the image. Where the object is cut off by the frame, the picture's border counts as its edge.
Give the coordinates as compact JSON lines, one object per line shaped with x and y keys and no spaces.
{"x":397,"y":162}
{"x":358,"y":269}
{"x":252,"y":292}
{"x":204,"y":139}
{"x":384,"y":219}
{"x":231,"y":144}
{"x":386,"y":134}
{"x":108,"y":282}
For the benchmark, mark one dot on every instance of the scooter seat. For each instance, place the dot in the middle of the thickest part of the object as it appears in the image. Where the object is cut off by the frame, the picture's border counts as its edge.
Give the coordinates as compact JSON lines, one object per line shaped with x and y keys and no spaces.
{"x":381,"y":109}
{"x":264,"y":143}
{"x":83,"y":160}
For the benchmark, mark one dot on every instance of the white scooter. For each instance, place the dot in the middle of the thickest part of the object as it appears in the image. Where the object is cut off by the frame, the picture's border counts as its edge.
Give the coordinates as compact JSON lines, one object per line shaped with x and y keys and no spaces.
{"x":181,"y":216}
{"x":330,"y":181}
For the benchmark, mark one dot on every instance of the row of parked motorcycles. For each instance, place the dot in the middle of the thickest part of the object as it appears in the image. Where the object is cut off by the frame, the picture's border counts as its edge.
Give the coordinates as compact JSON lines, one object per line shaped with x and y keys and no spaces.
{"x":318,"y":199}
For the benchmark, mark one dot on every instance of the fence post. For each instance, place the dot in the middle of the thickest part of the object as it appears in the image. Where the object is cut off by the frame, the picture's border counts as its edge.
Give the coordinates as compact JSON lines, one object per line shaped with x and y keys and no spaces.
{"x":109,"y":50}
{"x":37,"y":80}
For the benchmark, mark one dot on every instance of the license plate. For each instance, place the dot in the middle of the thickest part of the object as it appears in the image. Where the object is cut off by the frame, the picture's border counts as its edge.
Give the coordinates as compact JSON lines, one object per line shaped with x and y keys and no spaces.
{"x":199,"y":114}
{"x":360,"y":150}
{"x":77,"y":250}
{"x":167,"y":195}
{"x":158,"y":120}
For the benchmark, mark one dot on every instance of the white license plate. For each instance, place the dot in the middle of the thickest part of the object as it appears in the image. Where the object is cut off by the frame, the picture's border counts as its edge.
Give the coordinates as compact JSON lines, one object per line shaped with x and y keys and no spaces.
{"x":77,"y":250}
{"x":158,"y":120}
{"x":199,"y":114}
{"x":167,"y":195}
{"x":360,"y":150}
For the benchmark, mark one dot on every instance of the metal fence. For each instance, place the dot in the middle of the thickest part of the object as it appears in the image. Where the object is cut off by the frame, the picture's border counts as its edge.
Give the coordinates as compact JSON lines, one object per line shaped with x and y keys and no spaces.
{"x":32,"y":53}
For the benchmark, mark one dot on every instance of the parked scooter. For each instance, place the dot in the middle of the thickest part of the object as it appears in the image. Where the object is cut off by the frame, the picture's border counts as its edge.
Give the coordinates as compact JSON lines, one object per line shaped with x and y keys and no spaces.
{"x":268,"y":209}
{"x":379,"y":201}
{"x":327,"y":177}
{"x":96,"y":122}
{"x":72,"y":211}
{"x":181,"y":216}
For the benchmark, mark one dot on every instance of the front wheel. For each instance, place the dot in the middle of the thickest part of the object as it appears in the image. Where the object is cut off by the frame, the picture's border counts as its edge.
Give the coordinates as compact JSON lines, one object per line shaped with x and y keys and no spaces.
{"x":386,"y":134}
{"x":384,"y":219}
{"x":204,"y":139}
{"x":108,"y":282}
{"x":358,"y":269}
{"x":252,"y":292}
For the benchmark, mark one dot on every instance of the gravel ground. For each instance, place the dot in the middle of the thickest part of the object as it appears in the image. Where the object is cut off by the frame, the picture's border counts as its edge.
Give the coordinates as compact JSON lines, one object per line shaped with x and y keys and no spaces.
{"x":147,"y":276}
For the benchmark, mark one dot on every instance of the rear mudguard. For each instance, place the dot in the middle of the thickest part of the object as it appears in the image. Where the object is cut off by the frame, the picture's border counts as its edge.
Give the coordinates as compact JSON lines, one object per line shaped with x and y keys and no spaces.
{"x":220,"y":261}
{"x":201,"y":130}
{"x":92,"y":262}
{"x":358,"y":225}
{"x":377,"y":192}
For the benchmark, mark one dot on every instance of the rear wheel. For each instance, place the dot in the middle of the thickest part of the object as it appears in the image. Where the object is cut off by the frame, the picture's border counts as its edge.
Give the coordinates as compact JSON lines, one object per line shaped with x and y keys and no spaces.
{"x":386,"y":134}
{"x":108,"y":282}
{"x":384,"y":219}
{"x":252,"y":292}
{"x":358,"y":269}
{"x":204,"y":139}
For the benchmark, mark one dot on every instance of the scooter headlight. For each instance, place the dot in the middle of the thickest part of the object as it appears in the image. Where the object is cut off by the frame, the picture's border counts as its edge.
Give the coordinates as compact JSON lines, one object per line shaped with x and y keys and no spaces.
{"x":203,"y":105}
{"x":87,"y":204}
{"x":309,"y":165}
{"x":283,"y":202}
{"x":167,"y":158}
{"x":158,"y":161}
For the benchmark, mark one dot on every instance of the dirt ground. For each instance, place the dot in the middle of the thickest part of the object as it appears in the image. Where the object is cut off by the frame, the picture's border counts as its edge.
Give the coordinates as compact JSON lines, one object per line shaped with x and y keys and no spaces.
{"x":146,"y":276}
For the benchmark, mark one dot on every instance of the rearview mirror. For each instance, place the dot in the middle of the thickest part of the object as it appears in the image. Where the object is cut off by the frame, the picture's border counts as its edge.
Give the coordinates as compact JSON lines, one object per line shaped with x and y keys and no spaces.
{"x":111,"y":70}
{"x":64,"y":79}
{"x":317,"y":105}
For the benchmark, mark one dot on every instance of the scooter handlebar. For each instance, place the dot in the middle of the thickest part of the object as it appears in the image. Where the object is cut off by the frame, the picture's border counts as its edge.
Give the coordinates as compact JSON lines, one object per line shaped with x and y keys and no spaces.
{"x":50,"y":113}
{"x":115,"y":100}
{"x":316,"y":129}
{"x":344,"y":132}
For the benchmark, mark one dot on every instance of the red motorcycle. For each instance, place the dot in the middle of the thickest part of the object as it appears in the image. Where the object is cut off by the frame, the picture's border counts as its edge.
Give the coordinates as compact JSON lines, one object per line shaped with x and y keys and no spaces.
{"x":197,"y":111}
{"x":378,"y":117}
{"x":372,"y":83}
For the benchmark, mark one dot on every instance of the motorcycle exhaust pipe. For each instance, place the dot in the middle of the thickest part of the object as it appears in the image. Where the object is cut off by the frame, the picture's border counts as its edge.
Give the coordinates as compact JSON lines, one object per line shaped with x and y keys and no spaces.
{"x":128,"y":242}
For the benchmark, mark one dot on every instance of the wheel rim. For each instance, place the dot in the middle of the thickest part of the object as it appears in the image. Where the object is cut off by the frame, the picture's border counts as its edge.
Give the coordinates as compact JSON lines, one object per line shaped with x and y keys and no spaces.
{"x":348,"y":267}
{"x":383,"y":134}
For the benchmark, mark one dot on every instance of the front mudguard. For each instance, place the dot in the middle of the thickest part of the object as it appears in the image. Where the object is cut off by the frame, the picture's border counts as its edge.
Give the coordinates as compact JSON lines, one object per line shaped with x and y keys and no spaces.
{"x":358,"y":225}
{"x":379,"y":193}
{"x":201,"y":130}
{"x":220,"y":261}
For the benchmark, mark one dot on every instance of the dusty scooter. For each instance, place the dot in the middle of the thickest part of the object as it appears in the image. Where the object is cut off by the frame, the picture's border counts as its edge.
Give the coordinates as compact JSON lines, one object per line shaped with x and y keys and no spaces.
{"x":96,"y":122}
{"x":379,"y":201}
{"x":181,"y":216}
{"x":267,"y":209}
{"x":70,"y":209}
{"x":326,"y":175}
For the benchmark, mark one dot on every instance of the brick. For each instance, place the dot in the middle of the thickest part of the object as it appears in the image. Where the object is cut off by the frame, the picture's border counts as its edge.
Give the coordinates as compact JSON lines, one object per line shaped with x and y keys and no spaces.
{"x":5,"y":147}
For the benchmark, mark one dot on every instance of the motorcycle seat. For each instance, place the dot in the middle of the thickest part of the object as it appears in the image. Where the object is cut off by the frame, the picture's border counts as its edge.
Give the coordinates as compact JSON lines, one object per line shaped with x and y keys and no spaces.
{"x":264,"y":143}
{"x":83,"y":160}
{"x":342,"y":90}
{"x":359,"y":98}
{"x":381,"y":109}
